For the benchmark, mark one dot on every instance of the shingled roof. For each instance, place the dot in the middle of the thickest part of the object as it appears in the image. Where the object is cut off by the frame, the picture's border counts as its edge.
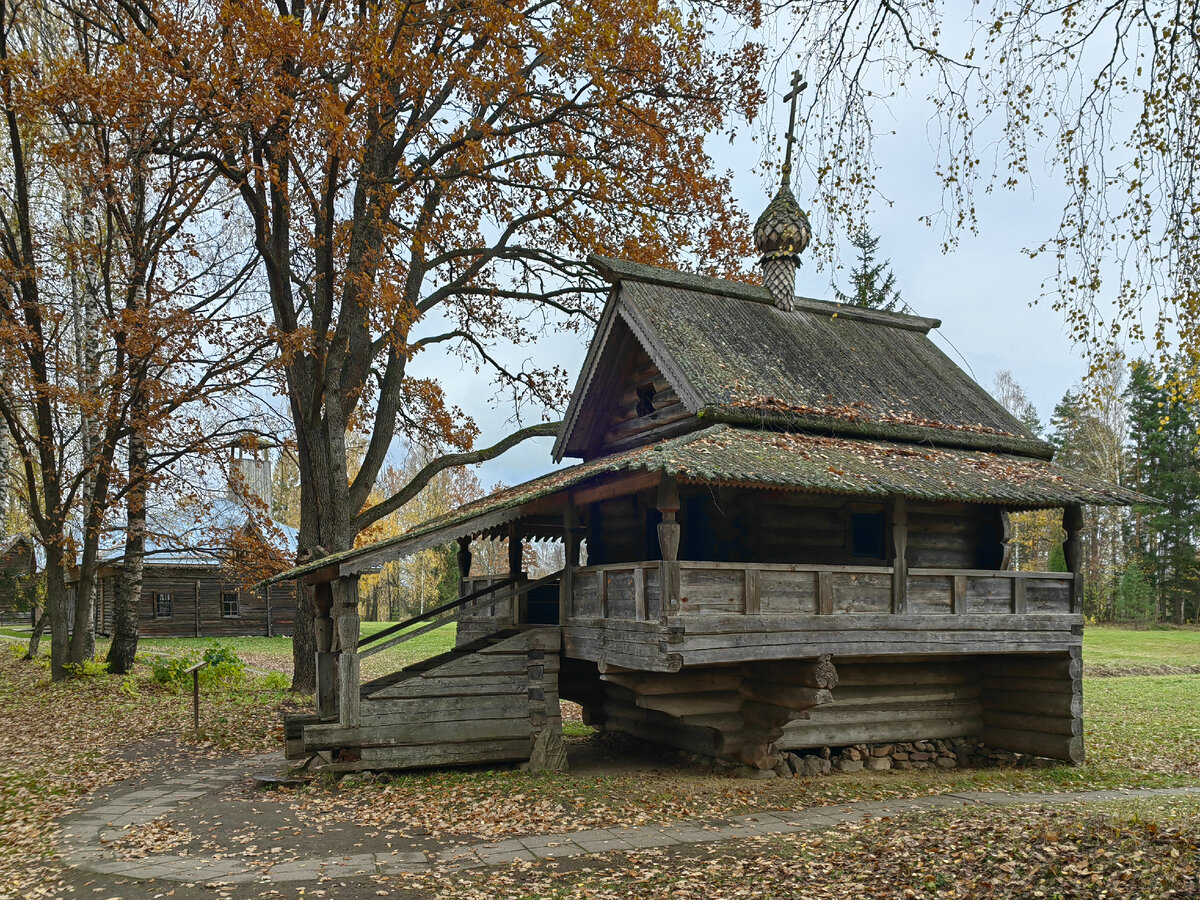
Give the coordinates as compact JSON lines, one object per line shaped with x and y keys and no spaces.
{"x":824,"y":367}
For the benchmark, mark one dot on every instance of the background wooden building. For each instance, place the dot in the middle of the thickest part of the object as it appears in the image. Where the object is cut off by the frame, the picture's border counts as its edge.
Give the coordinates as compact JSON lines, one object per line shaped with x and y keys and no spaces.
{"x":18,"y":565}
{"x":199,"y":570}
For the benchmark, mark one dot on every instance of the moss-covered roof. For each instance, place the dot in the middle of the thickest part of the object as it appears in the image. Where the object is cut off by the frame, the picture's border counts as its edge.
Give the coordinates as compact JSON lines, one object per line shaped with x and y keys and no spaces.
{"x":725,"y":454}
{"x":732,"y":356}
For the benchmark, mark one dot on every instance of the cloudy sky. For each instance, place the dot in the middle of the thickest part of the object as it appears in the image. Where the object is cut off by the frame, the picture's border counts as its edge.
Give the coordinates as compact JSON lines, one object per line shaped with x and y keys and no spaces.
{"x":982,"y":290}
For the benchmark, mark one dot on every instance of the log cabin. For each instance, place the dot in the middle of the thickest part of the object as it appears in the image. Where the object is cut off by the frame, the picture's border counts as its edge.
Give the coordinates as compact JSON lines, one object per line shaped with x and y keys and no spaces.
{"x":193,"y":584}
{"x":796,"y":519}
{"x":18,"y":565}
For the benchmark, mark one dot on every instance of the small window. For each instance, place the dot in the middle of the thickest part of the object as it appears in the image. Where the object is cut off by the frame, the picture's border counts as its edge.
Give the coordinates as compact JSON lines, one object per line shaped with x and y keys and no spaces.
{"x":645,"y":405}
{"x":231,"y":607}
{"x":162,"y":606}
{"x":866,"y":535}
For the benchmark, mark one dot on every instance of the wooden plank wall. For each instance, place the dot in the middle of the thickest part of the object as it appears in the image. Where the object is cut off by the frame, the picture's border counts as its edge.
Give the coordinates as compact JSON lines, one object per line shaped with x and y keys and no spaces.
{"x":196,"y":605}
{"x":947,"y":535}
{"x":464,"y":708}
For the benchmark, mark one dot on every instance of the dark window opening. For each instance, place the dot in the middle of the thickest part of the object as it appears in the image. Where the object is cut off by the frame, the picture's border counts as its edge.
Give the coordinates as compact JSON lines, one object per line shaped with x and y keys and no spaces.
{"x":645,"y":404}
{"x":162,"y":606}
{"x":231,"y":607}
{"x":866,"y":535}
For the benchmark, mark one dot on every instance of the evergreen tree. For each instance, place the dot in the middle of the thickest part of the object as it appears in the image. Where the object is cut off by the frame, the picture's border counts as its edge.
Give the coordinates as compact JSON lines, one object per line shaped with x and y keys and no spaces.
{"x":1166,"y":466}
{"x":873,"y":284}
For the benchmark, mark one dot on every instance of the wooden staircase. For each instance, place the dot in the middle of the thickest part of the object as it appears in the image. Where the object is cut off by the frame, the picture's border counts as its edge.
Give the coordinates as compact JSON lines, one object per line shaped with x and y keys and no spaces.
{"x":492,"y":700}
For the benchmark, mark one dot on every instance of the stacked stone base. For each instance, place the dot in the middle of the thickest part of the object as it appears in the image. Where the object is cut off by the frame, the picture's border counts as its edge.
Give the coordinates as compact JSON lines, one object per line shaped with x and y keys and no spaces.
{"x":898,"y":756}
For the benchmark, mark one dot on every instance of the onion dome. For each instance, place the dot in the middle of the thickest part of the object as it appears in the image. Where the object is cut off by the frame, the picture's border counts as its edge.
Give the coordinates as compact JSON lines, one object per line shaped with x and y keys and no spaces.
{"x":782,"y":228}
{"x":780,"y":235}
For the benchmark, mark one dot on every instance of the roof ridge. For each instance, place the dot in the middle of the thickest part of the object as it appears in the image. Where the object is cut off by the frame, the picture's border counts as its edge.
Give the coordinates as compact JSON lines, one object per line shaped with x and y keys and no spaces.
{"x":615,"y":270}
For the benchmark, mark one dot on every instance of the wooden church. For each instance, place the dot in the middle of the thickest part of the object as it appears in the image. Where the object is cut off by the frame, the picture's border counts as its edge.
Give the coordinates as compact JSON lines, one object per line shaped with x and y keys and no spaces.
{"x":796,"y":517}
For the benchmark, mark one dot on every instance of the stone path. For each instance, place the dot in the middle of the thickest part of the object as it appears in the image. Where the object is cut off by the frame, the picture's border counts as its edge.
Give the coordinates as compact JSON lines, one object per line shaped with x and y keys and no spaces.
{"x":85,"y":835}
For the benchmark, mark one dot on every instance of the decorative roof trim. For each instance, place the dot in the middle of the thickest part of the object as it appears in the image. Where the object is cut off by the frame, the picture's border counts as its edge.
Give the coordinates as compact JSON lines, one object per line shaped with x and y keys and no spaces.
{"x":616,"y":270}
{"x":587,"y":374}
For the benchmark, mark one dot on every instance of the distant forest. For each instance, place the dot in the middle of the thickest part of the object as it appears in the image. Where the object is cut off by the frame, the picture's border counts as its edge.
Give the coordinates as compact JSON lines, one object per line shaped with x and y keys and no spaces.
{"x":1132,"y":427}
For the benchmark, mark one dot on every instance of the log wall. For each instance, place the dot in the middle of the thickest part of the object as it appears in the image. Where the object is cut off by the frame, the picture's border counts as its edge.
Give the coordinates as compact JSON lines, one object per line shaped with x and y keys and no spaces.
{"x":196,"y":608}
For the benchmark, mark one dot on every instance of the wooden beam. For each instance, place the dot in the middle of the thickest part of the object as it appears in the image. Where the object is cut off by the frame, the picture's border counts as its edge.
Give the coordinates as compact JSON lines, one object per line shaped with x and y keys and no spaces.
{"x":348,"y":625}
{"x":898,"y":554}
{"x":616,"y":487}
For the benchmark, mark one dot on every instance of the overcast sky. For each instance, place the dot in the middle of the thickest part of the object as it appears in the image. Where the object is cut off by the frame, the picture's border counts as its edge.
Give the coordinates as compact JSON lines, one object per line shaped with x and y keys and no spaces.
{"x":982,"y":290}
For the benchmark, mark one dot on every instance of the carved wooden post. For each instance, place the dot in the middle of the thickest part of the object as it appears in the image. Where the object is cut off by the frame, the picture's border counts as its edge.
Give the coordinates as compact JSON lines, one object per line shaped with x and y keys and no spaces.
{"x":1005,"y":539}
{"x":570,"y":561}
{"x":1073,"y":551}
{"x":668,"y":543}
{"x":464,"y":563}
{"x":898,"y":553}
{"x":516,"y":552}
{"x":349,"y":705}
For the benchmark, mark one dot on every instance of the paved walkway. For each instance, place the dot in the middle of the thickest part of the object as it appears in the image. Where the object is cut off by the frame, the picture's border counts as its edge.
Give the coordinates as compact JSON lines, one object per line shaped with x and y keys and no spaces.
{"x":85,"y":836}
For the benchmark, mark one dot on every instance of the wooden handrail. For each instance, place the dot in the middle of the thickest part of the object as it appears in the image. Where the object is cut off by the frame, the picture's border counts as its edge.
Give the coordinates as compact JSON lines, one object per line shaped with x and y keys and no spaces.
{"x":436,"y":611}
{"x":507,"y":594}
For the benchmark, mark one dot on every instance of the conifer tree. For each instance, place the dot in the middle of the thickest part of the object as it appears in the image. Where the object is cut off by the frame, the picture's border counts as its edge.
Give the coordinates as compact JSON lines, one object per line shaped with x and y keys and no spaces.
{"x":1166,"y":466}
{"x":873,"y":284}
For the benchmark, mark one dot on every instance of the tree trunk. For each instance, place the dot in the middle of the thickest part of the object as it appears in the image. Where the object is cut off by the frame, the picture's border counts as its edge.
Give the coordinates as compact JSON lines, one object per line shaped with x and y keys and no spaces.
{"x":35,"y":639}
{"x":128,"y":592}
{"x":56,"y":611}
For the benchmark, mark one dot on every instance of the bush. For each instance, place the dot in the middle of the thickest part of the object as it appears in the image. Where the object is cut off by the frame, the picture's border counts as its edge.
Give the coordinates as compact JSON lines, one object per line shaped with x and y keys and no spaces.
{"x":223,"y":667}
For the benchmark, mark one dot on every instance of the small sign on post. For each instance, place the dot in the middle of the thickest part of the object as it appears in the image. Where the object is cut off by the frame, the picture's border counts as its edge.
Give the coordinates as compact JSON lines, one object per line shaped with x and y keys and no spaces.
{"x":195,"y":671}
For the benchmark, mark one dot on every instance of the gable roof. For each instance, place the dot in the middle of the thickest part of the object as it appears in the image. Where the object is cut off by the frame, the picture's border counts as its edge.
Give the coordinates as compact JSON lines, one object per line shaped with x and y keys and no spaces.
{"x":751,"y":457}
{"x":732,"y":356}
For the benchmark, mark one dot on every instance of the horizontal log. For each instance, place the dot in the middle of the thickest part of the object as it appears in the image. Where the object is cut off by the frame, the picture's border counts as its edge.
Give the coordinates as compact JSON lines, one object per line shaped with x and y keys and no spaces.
{"x":1030,"y":722}
{"x":924,"y":673}
{"x":767,"y":719}
{"x":1060,"y":667}
{"x":982,"y":644}
{"x":728,"y":679}
{"x":405,"y":710}
{"x":787,"y":696}
{"x":1018,"y":683}
{"x":882,"y":694}
{"x":740,"y":624}
{"x":333,"y":737}
{"x":692,"y":704}
{"x":695,"y":740}
{"x":1036,"y":743}
{"x":1040,"y":703}
{"x":422,"y":755}
{"x":799,"y":735}
{"x":815,"y":673}
{"x":835,"y":713}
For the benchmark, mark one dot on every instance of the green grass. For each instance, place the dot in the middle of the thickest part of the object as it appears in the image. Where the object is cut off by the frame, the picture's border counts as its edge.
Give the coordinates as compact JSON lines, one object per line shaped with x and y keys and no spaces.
{"x":1124,"y":648}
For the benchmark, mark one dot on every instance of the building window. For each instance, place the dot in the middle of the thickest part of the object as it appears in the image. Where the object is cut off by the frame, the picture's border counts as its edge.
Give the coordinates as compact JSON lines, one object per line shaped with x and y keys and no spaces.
{"x":162,"y":606}
{"x":231,"y":607}
{"x":866,"y":535}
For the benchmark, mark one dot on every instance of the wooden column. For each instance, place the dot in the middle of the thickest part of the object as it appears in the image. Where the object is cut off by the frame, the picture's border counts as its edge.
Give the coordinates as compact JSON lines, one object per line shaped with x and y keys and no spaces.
{"x":464,"y":563}
{"x":267,"y":603}
{"x":898,"y":554}
{"x":349,"y":705}
{"x":570,"y":561}
{"x":196,"y":595}
{"x":326,"y":665}
{"x":516,"y":552}
{"x":1005,"y":539}
{"x":668,"y":543}
{"x":1073,"y":551}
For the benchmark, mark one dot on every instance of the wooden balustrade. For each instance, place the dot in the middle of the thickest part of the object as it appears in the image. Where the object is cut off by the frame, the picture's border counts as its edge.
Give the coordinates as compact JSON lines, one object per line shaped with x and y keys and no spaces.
{"x":632,"y":591}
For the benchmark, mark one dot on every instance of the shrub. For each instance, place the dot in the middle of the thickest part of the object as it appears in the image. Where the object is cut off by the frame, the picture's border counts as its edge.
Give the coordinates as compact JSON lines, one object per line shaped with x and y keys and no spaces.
{"x":223,"y":667}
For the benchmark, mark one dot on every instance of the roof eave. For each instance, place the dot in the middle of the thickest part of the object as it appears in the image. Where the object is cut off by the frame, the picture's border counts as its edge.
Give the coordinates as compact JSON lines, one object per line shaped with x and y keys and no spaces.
{"x":919,"y":434}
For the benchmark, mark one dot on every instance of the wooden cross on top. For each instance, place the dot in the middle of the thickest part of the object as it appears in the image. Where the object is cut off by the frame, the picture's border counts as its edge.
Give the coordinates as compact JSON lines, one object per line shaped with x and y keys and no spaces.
{"x":798,"y":87}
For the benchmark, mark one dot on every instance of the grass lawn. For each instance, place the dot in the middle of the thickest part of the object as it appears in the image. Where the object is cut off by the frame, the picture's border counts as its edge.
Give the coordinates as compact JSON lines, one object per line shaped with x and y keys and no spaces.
{"x":63,"y":741}
{"x":1116,"y":649}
